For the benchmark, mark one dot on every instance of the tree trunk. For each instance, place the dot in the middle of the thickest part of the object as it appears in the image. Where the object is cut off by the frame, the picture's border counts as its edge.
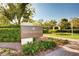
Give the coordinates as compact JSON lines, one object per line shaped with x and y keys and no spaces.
{"x":19,"y":22}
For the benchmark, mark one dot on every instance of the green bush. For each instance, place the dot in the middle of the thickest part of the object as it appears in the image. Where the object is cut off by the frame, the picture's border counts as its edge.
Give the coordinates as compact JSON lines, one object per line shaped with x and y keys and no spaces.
{"x":69,"y":30}
{"x":37,"y":46}
{"x":52,"y":31}
{"x":10,"y":26}
{"x":76,"y":30}
{"x":9,"y":34}
{"x":45,"y":30}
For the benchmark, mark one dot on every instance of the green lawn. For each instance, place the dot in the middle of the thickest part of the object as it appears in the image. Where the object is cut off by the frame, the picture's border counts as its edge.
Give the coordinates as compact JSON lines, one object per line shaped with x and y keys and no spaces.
{"x":64,"y":35}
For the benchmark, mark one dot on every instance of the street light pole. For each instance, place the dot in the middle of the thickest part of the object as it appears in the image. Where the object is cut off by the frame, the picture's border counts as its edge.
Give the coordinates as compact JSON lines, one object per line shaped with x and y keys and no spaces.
{"x":72,"y":28}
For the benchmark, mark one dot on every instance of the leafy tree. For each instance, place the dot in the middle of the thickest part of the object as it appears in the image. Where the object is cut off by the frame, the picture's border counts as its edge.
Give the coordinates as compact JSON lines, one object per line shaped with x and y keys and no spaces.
{"x":49,"y":24}
{"x":64,"y":24}
{"x":28,"y":20}
{"x":52,"y":23}
{"x":17,"y":12}
{"x":3,"y":20}
{"x":75,"y":22}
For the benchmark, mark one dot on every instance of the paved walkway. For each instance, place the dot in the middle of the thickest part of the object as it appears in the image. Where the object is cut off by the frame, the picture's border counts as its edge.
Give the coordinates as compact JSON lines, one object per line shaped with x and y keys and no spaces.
{"x":61,"y":52}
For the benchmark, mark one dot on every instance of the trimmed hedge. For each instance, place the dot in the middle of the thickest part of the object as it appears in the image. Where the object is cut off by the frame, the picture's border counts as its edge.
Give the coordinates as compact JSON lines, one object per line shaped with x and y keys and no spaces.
{"x":52,"y":31}
{"x":9,"y":26}
{"x":45,"y":30}
{"x":63,"y":30}
{"x":69,"y":30}
{"x":10,"y":34}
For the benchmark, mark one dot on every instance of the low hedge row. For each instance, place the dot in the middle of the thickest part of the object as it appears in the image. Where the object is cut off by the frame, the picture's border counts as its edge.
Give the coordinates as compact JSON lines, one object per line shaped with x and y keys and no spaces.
{"x":69,"y":30}
{"x":45,"y":30}
{"x":9,"y":26}
{"x":9,"y":34}
{"x":63,"y":30}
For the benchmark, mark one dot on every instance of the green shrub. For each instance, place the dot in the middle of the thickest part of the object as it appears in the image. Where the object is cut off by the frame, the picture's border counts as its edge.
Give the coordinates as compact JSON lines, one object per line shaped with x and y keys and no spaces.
{"x":52,"y":31}
{"x":45,"y":30}
{"x":37,"y":46}
{"x":69,"y":30}
{"x":34,"y":39}
{"x":10,"y":26}
{"x":9,"y":34}
{"x":76,"y":30}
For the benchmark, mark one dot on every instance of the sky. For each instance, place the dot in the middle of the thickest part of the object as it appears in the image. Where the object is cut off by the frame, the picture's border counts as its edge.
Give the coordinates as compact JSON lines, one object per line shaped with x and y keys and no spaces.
{"x":56,"y":11}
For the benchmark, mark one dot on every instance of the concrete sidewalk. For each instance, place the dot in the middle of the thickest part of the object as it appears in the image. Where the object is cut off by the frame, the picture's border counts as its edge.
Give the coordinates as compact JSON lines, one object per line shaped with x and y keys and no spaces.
{"x":61,"y":52}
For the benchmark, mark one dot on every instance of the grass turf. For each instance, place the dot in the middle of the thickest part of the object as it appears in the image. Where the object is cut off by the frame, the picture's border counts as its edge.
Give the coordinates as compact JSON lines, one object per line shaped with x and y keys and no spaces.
{"x":64,"y":35}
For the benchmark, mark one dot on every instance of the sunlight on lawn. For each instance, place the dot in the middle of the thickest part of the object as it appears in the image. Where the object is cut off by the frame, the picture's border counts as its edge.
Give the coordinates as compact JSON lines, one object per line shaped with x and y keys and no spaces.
{"x":63,"y":35}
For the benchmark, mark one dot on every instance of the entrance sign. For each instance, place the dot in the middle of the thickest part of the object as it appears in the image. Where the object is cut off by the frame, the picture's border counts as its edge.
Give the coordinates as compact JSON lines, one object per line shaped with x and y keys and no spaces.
{"x":31,"y":31}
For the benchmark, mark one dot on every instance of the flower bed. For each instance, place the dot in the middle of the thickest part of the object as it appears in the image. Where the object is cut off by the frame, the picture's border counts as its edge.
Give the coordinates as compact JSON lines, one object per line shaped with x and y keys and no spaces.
{"x":37,"y":46}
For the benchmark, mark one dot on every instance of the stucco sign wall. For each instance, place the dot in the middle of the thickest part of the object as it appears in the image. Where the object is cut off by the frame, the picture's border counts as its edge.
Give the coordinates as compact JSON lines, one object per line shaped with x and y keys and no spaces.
{"x":31,"y":31}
